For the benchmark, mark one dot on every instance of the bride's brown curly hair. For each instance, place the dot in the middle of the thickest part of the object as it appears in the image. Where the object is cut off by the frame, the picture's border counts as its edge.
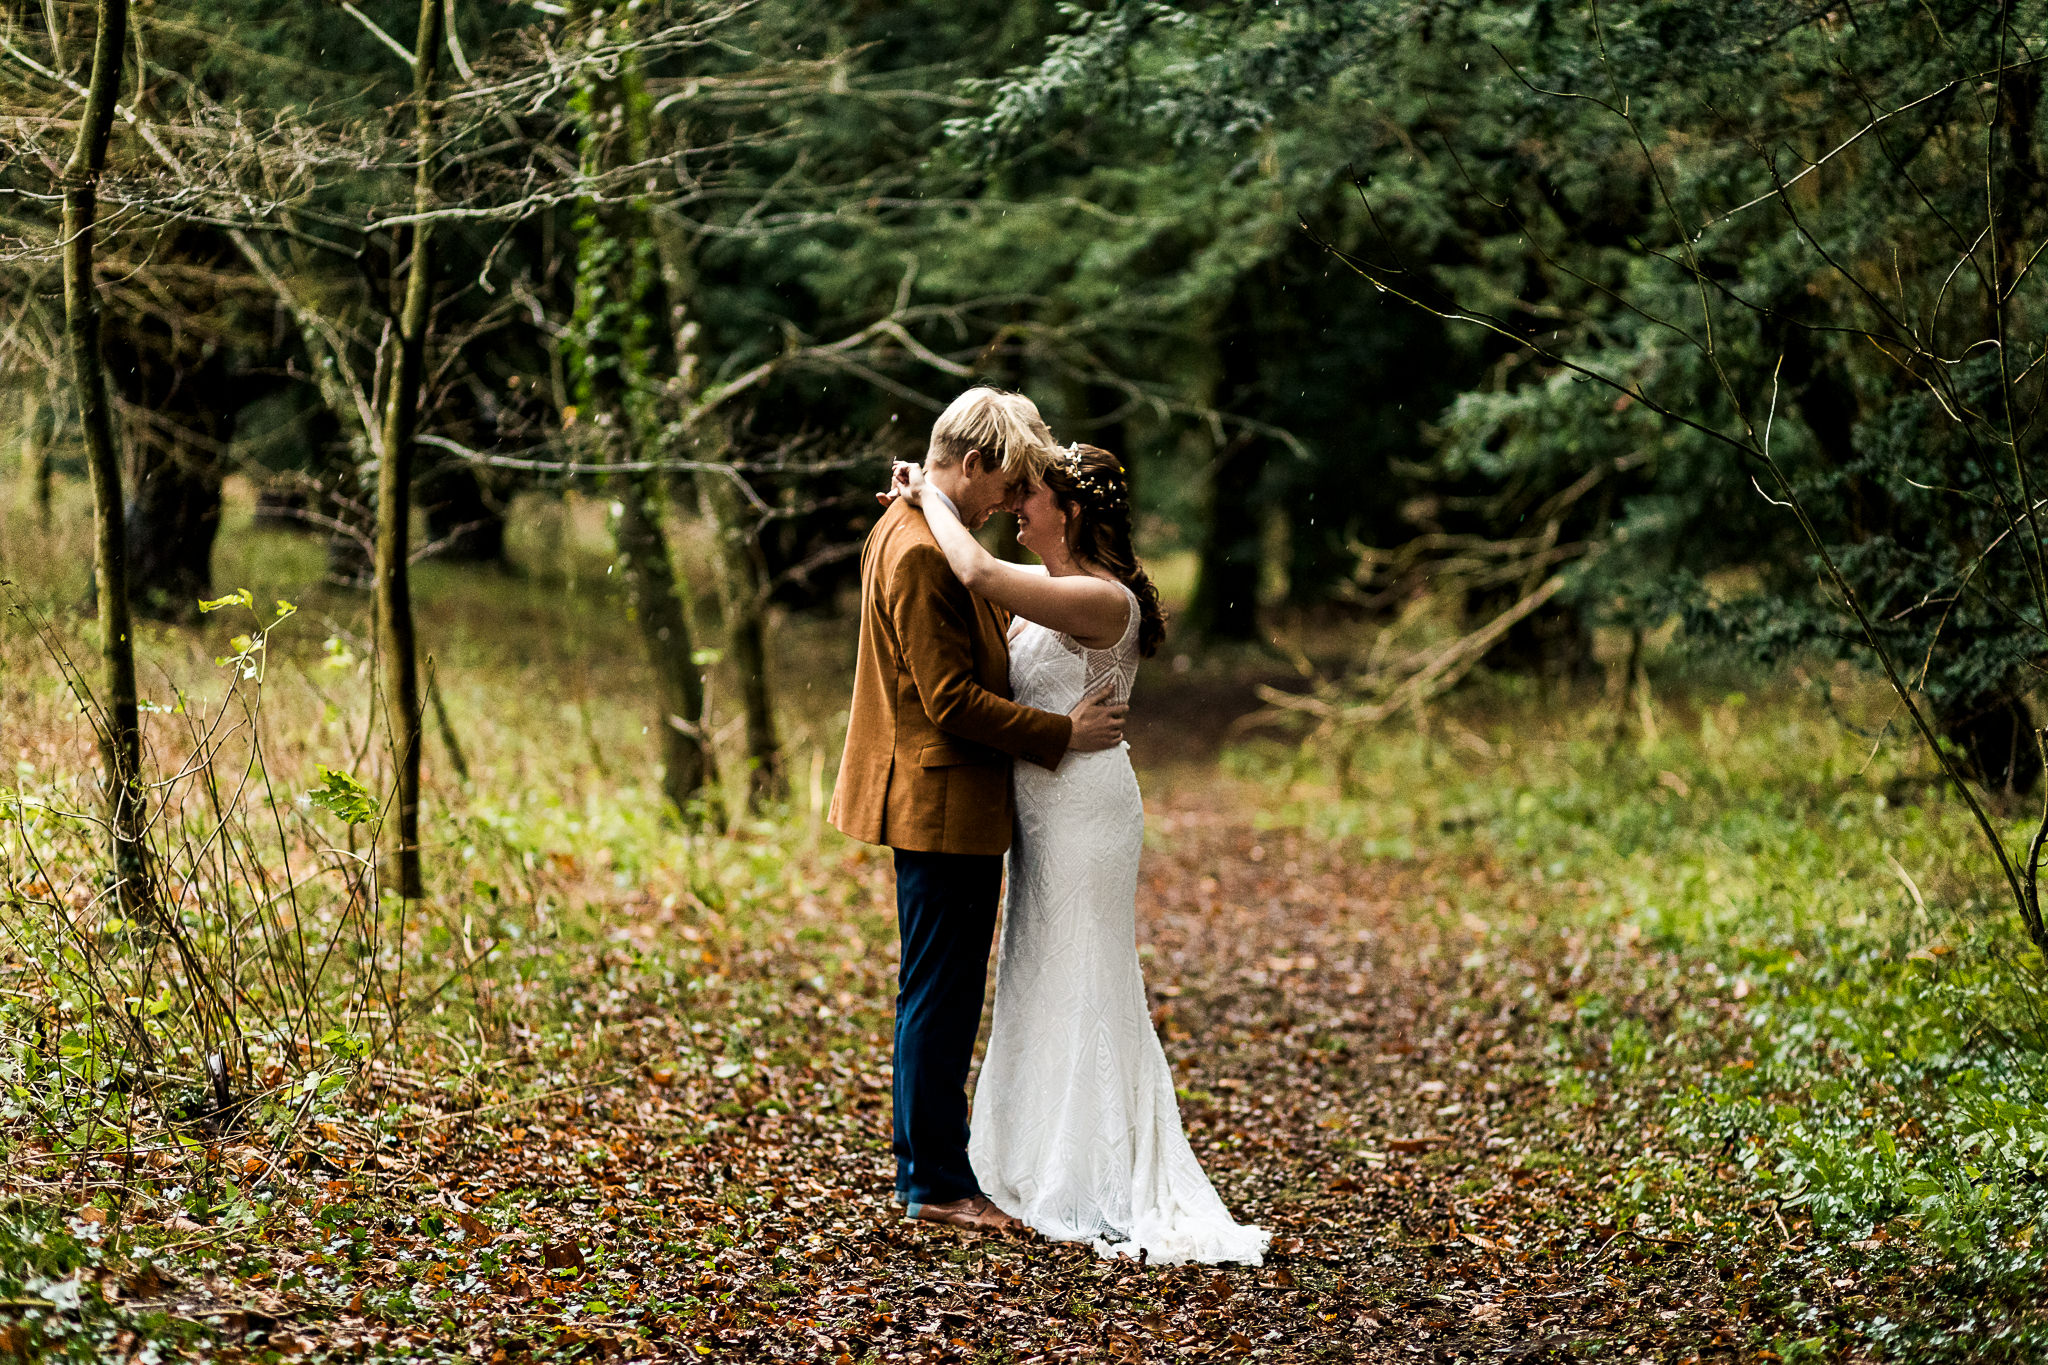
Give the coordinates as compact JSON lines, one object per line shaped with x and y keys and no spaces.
{"x":1091,"y":481}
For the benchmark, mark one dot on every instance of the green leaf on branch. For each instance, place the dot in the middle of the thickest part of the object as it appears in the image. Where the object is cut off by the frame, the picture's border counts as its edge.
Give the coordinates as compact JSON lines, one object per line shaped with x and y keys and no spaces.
{"x":344,"y":796}
{"x":241,"y":597}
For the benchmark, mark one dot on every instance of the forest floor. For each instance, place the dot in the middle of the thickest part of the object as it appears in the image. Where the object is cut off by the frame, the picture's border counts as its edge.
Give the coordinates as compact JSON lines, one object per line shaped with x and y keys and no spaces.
{"x":1360,"y":1076}
{"x":1369,"y":1054}
{"x":1562,"y":1023}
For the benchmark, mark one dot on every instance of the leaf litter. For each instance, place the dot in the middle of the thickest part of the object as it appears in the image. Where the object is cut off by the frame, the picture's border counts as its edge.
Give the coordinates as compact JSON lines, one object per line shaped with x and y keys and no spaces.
{"x":1366,"y":1052}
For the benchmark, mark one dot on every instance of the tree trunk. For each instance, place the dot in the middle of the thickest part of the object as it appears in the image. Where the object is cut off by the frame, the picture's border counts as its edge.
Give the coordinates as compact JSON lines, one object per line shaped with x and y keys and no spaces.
{"x":394,"y":479}
{"x":2022,"y":188}
{"x":618,"y":302}
{"x":1113,"y":436}
{"x":1825,"y":399}
{"x":119,"y":730}
{"x":658,"y":605}
{"x":173,"y":521}
{"x":344,"y":419}
{"x":1996,"y":737}
{"x":462,"y":518}
{"x":182,"y":384}
{"x":38,"y":436}
{"x":743,"y":599}
{"x":1225,"y":602}
{"x":739,"y":560}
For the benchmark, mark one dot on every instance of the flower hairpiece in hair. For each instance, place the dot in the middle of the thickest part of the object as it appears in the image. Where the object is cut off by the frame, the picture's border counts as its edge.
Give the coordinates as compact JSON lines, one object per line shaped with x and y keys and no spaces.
{"x":1092,"y":482}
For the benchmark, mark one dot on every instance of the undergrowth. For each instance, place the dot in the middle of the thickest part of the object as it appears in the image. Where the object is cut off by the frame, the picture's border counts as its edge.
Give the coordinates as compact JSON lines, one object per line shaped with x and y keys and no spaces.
{"x":1834,"y":1049}
{"x":1740,"y":941}
{"x":279,"y":1017}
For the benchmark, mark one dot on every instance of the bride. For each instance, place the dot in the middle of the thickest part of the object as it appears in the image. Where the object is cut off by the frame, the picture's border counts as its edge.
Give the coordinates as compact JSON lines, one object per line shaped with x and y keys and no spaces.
{"x":1075,"y":1126}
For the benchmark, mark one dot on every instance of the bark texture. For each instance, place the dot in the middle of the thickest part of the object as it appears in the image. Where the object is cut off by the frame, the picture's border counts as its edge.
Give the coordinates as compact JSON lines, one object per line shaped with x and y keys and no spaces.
{"x":396,"y":644}
{"x":614,"y":351}
{"x":119,"y":732}
{"x":743,"y":602}
{"x":739,"y":562}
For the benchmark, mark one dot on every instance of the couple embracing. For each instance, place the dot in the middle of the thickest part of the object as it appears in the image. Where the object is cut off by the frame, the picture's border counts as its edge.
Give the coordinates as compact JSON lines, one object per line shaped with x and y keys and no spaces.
{"x":989,"y":697}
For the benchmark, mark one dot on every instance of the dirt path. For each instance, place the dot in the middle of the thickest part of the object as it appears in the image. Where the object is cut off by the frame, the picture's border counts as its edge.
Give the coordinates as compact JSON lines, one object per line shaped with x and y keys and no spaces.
{"x":1374,"y":1033}
{"x":1359,"y":1050}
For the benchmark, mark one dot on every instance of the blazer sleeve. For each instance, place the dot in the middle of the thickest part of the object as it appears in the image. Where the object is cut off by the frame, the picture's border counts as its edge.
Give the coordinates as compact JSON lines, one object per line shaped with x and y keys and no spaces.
{"x":933,"y":616}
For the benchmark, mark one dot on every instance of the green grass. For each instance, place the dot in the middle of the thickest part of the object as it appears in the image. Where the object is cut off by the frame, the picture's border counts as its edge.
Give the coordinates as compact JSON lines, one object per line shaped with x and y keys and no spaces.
{"x":1778,"y":972}
{"x":1804,"y":984}
{"x":560,"y":882}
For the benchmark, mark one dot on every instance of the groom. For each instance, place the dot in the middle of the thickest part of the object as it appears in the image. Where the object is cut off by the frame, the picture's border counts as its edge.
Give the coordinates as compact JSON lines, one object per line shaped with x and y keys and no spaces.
{"x":927,"y":773}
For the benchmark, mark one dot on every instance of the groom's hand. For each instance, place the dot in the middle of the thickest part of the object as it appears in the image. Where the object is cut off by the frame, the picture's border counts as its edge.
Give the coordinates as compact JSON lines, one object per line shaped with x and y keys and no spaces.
{"x":1098,"y":722}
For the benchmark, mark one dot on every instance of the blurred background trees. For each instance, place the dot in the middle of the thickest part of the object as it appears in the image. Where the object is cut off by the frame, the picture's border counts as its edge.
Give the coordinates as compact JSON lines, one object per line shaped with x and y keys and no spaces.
{"x":1386,"y":304}
{"x":1652,"y":246}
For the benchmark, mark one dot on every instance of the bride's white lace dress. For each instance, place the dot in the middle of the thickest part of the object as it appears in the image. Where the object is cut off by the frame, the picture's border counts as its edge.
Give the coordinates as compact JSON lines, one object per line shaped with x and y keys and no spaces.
{"x":1076,"y":1129}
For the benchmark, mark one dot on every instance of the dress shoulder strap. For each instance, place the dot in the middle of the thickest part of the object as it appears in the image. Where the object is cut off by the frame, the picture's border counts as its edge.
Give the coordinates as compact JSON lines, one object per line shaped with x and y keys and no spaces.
{"x":1131,"y":623}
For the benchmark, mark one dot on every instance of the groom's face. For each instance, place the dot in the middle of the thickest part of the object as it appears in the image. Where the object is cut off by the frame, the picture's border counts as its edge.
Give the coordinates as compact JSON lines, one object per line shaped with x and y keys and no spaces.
{"x":984,"y":489}
{"x":1020,"y":487}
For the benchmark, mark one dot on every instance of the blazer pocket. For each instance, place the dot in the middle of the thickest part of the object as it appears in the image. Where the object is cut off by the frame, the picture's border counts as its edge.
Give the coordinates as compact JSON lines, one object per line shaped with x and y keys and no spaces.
{"x":953,"y":756}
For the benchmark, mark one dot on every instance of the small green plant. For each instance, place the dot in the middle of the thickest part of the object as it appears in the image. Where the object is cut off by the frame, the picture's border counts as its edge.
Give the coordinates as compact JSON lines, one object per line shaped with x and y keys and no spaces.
{"x":341,"y":794}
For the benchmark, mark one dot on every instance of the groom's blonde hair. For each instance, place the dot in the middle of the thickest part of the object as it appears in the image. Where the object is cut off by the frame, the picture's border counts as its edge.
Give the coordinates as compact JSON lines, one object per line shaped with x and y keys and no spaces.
{"x":1005,"y":427}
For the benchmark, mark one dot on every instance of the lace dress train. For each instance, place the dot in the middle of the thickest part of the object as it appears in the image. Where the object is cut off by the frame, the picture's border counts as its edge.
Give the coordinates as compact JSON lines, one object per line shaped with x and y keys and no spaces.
{"x":1076,"y":1127}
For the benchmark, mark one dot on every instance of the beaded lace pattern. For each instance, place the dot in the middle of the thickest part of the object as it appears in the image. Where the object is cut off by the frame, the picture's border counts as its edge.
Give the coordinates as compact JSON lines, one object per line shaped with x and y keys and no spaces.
{"x":1076,"y":1127}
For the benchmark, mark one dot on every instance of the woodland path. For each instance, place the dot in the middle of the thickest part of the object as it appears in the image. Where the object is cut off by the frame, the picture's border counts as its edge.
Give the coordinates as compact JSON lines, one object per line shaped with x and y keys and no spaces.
{"x":1360,"y":1046}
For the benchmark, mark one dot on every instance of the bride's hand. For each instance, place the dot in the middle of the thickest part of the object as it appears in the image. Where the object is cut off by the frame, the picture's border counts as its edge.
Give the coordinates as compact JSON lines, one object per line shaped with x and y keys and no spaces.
{"x":908,"y":483}
{"x":901,"y":484}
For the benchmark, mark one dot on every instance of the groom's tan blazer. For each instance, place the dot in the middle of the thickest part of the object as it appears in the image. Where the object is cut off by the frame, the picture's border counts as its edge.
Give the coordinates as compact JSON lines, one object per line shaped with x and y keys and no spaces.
{"x":933,"y":730}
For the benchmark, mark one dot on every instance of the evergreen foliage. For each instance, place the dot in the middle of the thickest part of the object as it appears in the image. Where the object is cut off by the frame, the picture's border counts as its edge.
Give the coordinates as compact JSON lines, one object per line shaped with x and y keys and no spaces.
{"x":1681,"y":229}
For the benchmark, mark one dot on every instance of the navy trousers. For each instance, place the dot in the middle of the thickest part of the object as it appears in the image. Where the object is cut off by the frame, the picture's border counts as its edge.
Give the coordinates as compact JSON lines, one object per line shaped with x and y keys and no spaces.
{"x":946,"y":917}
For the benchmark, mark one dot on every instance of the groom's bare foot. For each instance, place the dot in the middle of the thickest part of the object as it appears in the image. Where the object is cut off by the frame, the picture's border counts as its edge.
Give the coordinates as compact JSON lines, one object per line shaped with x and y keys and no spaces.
{"x":978,"y":1213}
